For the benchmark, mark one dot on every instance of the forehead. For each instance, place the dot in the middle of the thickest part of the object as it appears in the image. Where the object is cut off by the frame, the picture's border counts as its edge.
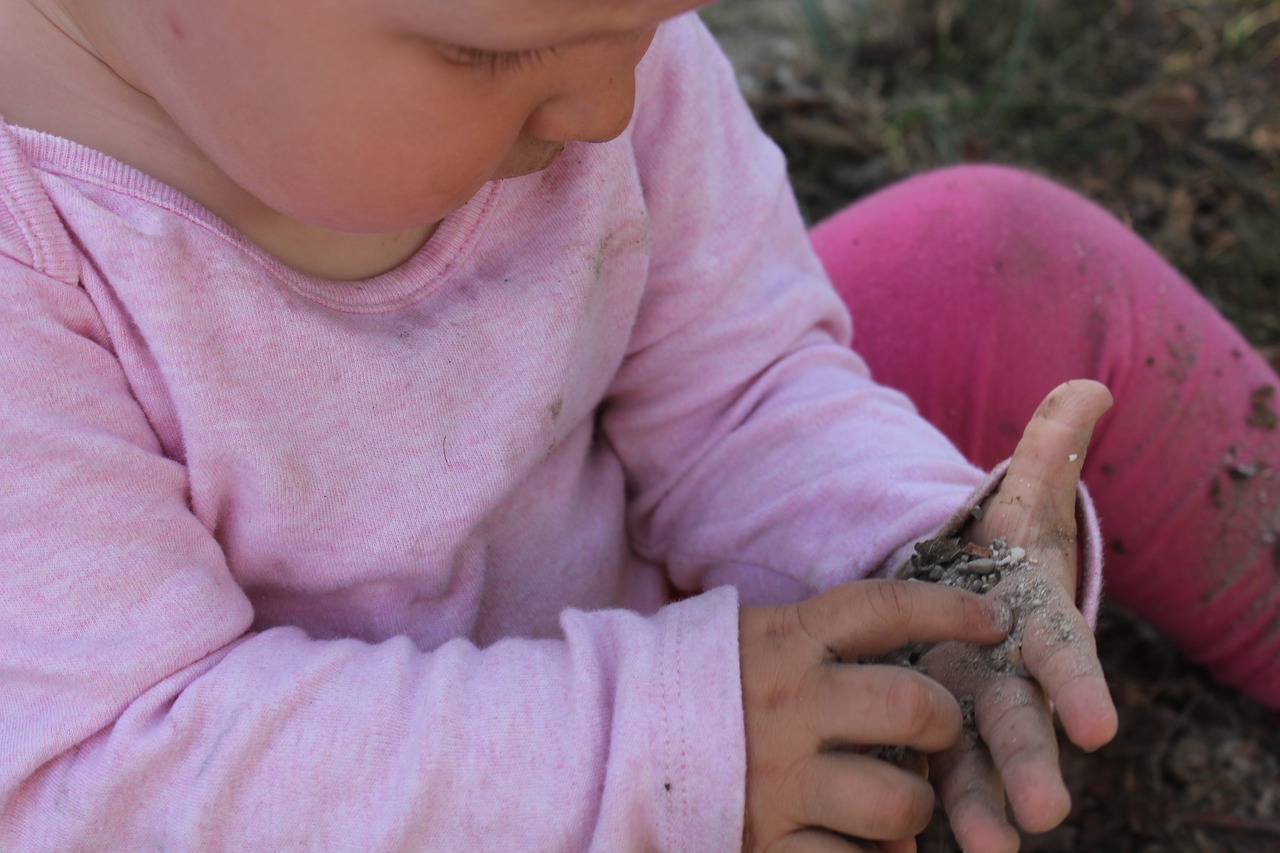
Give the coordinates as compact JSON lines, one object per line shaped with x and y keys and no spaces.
{"x":516,"y":24}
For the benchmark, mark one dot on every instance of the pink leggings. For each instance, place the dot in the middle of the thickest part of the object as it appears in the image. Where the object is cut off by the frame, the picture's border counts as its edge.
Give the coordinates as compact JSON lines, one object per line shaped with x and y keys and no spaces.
{"x":975,"y":290}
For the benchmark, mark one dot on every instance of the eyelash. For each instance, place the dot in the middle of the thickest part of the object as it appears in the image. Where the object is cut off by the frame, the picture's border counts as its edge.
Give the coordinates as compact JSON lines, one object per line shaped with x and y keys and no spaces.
{"x":495,"y":61}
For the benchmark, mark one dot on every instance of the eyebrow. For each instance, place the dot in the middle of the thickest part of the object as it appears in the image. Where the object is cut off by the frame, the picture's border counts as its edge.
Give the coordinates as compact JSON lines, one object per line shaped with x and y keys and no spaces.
{"x":540,"y":23}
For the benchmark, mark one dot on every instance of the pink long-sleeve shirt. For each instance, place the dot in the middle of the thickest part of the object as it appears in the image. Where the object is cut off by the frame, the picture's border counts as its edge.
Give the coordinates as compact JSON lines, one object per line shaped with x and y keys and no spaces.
{"x":298,"y":564}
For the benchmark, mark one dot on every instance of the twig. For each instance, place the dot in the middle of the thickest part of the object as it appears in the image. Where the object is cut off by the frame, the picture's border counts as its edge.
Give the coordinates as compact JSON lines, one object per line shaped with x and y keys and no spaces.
{"x":1021,"y":40}
{"x":1237,"y":823}
{"x":819,"y":28}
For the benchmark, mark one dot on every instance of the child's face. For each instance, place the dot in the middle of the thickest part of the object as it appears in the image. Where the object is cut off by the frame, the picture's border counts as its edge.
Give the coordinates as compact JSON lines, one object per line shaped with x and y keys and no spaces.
{"x":353,"y":115}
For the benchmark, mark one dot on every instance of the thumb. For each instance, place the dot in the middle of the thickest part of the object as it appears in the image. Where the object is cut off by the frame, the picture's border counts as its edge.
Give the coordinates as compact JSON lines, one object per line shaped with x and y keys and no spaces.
{"x":1036,"y":502}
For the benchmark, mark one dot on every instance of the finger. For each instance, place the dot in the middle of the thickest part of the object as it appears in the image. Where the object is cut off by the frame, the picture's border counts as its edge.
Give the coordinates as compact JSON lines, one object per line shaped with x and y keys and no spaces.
{"x":1035,"y":503}
{"x":1060,"y":652}
{"x":816,"y":841}
{"x":867,"y":705}
{"x":901,"y":845}
{"x":1017,"y":728}
{"x":917,"y":763}
{"x":859,"y":796}
{"x":974,"y":798}
{"x":871,"y":617}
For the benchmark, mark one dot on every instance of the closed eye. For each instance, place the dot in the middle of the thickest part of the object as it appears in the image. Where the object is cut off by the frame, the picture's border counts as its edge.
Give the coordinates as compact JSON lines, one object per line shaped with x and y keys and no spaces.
{"x":500,"y":61}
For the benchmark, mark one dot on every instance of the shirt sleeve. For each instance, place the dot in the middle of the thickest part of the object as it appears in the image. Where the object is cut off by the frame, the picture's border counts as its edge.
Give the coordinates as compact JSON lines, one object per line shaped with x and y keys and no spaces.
{"x":1089,"y":540}
{"x":759,"y":450}
{"x":140,"y":710}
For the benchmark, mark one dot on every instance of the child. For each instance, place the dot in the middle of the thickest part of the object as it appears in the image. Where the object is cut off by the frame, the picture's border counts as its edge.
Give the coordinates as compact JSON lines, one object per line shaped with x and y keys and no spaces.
{"x":363,"y":417}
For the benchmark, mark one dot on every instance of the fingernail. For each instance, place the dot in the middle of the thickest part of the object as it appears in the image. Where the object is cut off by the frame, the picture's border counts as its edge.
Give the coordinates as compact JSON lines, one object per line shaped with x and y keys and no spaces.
{"x":1003,"y":615}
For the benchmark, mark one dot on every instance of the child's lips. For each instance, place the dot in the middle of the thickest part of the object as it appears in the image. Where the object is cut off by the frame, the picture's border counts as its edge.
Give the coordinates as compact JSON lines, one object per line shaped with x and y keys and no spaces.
{"x":550,"y":157}
{"x":533,"y":161}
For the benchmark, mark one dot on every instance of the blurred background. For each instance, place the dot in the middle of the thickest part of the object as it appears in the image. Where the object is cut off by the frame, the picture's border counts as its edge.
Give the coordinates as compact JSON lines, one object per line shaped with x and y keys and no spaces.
{"x":1167,"y":112}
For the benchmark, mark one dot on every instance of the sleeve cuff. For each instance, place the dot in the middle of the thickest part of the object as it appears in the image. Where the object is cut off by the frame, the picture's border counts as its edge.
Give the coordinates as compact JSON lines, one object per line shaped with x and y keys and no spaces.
{"x":1088,"y":540}
{"x":704,"y":735}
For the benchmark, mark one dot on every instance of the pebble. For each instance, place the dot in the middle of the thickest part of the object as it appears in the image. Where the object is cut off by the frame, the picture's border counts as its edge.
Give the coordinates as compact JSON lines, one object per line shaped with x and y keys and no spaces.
{"x":980,"y":566}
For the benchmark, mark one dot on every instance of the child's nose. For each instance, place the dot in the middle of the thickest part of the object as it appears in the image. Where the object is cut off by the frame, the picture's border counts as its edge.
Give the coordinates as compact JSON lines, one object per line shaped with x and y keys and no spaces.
{"x":598,"y":97}
{"x":592,"y":111}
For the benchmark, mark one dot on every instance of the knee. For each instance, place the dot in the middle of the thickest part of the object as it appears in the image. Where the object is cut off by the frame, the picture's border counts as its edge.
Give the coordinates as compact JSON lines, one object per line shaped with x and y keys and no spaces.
{"x":972,"y":217}
{"x":1015,"y":229}
{"x":1006,"y":205}
{"x":999,"y":238}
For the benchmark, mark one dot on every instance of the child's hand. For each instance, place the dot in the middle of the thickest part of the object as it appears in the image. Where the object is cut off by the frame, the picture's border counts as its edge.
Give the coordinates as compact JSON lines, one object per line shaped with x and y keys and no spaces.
{"x":805,"y":698}
{"x":1034,"y":508}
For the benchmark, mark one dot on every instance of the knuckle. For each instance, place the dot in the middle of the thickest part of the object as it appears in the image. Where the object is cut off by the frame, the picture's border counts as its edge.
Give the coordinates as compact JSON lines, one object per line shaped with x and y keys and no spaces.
{"x":774,"y":696}
{"x":812,"y":694}
{"x":802,"y":617}
{"x":812,"y":690}
{"x":913,"y":705}
{"x":1060,"y":649}
{"x":892,"y":601}
{"x":809,"y":797}
{"x":1018,"y":697}
{"x":776,"y":781}
{"x":1060,"y":667}
{"x":1027,"y":752}
{"x":782,"y":622}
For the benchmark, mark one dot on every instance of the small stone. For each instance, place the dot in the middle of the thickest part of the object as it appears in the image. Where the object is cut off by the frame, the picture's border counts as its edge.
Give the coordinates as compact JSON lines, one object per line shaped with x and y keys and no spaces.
{"x":1240,"y":473}
{"x":937,"y":550}
{"x":1189,"y":759}
{"x":980,"y":566}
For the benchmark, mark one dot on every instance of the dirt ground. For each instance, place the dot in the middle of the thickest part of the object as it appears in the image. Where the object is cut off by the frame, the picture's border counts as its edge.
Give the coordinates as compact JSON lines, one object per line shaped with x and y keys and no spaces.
{"x":1168,"y":113}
